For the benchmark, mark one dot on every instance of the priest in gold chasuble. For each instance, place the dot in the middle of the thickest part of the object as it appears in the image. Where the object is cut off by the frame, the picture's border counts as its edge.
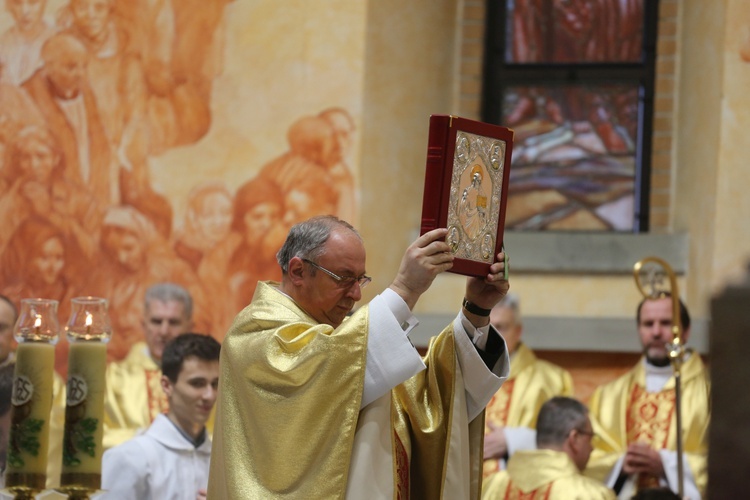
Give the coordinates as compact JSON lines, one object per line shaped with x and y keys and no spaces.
{"x":134,"y":396}
{"x":635,"y":414}
{"x":510,"y":417}
{"x":315,"y":404}
{"x":553,"y":471}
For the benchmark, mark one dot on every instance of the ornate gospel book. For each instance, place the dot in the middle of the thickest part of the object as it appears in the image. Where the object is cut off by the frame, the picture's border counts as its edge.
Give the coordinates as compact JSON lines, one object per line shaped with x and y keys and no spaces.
{"x":465,"y":189}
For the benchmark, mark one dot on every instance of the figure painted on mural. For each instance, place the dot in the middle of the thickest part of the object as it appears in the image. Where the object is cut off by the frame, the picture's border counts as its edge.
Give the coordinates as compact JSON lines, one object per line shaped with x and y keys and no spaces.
{"x":473,"y":205}
{"x":16,"y":110}
{"x":207,"y":222}
{"x":231,"y":270}
{"x":313,"y":152}
{"x":116,"y":78}
{"x":37,"y":186}
{"x":33,"y":264}
{"x":21,"y":44}
{"x":139,"y":194}
{"x":61,"y":92}
{"x":343,"y":133}
{"x":309,"y":196}
{"x":181,"y":44}
{"x":134,"y":256}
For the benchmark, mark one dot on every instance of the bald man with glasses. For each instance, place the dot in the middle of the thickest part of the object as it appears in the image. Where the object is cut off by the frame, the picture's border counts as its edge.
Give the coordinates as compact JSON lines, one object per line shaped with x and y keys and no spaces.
{"x":316,"y":404}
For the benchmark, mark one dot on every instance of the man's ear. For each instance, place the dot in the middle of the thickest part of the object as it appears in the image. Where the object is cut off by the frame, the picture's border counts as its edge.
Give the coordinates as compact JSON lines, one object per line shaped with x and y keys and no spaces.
{"x":296,"y":270}
{"x":166,"y":386}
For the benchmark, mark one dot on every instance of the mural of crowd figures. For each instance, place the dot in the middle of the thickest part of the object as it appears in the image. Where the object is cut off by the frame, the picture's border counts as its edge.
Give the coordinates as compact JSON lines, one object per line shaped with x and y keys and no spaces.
{"x":574,"y":152}
{"x":90,"y":91}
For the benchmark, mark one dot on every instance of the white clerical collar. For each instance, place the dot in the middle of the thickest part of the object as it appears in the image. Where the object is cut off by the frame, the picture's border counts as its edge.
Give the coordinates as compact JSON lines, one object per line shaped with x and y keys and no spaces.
{"x":658,"y":376}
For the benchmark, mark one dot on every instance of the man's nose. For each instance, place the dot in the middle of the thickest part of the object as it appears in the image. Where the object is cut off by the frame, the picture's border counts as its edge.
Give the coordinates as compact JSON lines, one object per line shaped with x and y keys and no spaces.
{"x":210,"y":393}
{"x":355,"y":292}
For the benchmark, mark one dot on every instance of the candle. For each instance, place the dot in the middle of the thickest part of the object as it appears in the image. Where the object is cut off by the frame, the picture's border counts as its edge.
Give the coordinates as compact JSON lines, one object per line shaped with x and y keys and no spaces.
{"x":32,"y":396}
{"x":84,"y":411}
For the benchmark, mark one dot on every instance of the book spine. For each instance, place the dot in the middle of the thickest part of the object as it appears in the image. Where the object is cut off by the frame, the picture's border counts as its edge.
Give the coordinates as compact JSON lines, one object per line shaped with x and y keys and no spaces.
{"x":433,"y":181}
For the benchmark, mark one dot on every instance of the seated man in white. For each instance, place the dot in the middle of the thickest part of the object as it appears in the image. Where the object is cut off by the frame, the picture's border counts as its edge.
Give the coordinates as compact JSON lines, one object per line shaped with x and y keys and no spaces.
{"x":170,"y":460}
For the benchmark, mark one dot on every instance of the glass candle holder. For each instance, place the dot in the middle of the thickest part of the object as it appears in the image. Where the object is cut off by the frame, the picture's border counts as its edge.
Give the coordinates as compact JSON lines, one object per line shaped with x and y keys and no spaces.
{"x":88,"y":331}
{"x":36,"y":331}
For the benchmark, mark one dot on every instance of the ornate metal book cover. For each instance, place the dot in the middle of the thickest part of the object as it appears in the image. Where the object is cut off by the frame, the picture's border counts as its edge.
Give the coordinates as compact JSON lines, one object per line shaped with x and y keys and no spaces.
{"x":466,"y":183}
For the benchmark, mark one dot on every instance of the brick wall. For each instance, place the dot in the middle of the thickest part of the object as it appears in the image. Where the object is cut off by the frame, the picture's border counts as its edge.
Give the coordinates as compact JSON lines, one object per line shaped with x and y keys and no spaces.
{"x":470,"y":96}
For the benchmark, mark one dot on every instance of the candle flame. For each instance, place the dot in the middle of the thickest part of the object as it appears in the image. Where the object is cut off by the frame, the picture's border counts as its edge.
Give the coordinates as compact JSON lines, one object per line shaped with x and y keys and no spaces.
{"x":38,"y":321}
{"x":89,"y":319}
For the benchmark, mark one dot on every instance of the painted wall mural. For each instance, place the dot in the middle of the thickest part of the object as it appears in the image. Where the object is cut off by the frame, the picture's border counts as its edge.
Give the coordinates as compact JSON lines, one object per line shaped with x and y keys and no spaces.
{"x":123,"y":164}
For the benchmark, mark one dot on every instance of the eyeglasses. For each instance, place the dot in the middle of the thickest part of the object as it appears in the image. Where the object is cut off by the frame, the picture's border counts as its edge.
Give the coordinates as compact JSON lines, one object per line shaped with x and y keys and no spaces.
{"x":586,"y":433}
{"x":343,"y":281}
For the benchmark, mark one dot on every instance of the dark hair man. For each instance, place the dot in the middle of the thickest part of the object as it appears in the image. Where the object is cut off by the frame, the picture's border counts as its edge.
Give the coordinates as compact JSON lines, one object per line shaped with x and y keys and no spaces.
{"x":171,"y":459}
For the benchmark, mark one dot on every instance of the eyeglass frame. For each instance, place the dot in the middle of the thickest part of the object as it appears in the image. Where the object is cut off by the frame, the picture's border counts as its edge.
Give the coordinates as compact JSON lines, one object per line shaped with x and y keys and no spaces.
{"x":343,"y":281}
{"x":591,"y":433}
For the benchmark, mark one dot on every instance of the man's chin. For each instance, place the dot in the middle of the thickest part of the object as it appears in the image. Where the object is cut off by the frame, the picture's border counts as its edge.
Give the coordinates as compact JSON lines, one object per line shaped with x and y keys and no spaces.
{"x":660,"y":359}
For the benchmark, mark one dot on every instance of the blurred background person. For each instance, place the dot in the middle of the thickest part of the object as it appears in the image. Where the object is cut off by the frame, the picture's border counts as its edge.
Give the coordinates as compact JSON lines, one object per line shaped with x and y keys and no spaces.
{"x":510,"y":418}
{"x":6,"y":391}
{"x":134,"y":397}
{"x":171,"y":459}
{"x":553,"y":471}
{"x":8,"y":315}
{"x":635,"y":413}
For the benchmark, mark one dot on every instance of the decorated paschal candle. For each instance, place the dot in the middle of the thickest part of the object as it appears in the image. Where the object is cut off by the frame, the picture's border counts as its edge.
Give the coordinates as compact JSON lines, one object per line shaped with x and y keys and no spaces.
{"x":88,"y":332}
{"x":36,"y":331}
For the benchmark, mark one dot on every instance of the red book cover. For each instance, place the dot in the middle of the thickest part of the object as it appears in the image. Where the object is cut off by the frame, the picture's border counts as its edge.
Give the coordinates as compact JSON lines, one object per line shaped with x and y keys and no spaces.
{"x":466,"y":183}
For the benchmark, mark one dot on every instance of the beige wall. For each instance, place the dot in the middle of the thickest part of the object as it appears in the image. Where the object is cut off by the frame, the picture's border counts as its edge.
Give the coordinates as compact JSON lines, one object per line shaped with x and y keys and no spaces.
{"x":409,"y":74}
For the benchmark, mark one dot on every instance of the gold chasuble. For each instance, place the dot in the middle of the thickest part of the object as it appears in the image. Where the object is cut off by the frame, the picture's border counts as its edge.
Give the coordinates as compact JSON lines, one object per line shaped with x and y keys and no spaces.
{"x":133,"y":397}
{"x":532,"y":381}
{"x":543,"y":475}
{"x":290,"y":402}
{"x":623,"y":412}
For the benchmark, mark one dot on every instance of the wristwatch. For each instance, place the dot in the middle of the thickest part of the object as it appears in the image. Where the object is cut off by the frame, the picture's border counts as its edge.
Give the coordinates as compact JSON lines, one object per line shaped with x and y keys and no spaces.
{"x":475,"y":309}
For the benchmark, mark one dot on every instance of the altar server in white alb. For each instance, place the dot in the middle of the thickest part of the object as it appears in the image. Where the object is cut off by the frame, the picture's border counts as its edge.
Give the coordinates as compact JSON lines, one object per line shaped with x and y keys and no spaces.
{"x":170,"y":460}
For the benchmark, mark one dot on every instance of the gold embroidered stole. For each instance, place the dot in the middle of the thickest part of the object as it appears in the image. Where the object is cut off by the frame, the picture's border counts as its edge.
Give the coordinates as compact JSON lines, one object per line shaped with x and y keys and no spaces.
{"x":499,"y":406}
{"x":648,"y":419}
{"x":157,"y":400}
{"x":422,"y":417}
{"x":512,"y":492}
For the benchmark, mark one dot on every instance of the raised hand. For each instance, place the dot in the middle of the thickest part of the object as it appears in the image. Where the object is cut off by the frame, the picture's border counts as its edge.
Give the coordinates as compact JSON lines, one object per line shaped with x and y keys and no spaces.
{"x":427,"y":257}
{"x":487,"y":291}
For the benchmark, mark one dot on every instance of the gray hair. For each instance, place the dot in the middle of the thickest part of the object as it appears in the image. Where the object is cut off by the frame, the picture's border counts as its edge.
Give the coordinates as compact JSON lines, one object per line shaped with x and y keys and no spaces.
{"x":512,"y":302}
{"x":170,"y":292}
{"x":307,"y":239}
{"x":557,"y":417}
